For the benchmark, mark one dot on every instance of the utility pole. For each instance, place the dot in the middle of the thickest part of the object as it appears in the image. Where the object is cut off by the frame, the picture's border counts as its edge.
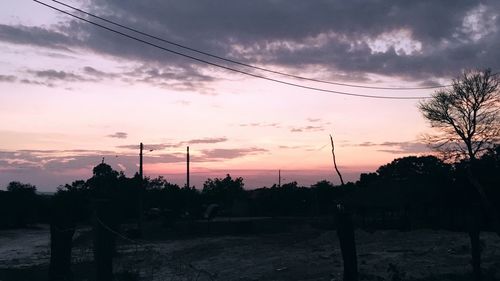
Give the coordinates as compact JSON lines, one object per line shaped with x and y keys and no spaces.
{"x":279,"y":178}
{"x":140,"y":161}
{"x":187,"y":168}
{"x":141,"y":190}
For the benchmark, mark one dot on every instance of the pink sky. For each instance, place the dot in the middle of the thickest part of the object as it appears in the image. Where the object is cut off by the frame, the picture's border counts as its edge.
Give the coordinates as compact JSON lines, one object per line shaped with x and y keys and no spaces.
{"x":64,"y":106}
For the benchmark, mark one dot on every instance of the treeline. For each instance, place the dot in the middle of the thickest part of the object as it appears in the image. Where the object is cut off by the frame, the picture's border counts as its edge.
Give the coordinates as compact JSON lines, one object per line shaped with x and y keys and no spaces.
{"x":21,"y":206}
{"x":422,"y":187}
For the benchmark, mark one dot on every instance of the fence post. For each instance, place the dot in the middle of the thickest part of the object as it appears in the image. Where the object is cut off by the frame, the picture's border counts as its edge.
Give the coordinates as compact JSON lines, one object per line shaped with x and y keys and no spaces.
{"x":345,"y":232}
{"x":61,"y":235}
{"x":104,"y":239}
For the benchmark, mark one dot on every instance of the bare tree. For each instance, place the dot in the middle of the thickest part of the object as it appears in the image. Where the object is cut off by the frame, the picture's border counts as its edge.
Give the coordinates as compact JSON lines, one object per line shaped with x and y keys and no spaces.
{"x":466,"y":116}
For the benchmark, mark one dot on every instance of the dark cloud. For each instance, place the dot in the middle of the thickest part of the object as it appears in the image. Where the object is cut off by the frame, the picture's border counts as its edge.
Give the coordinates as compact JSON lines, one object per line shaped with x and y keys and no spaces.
{"x":35,"y":36}
{"x":97,"y":73}
{"x":338,"y":36}
{"x":207,"y":140}
{"x":415,"y":40}
{"x":405,"y":147}
{"x":157,"y":146}
{"x":7,"y":78}
{"x":398,"y":147}
{"x":64,"y":161}
{"x":162,"y":146}
{"x":223,"y":153}
{"x":55,"y":151}
{"x":119,"y":135}
{"x":51,"y":74}
{"x":71,"y":164}
{"x":46,"y":159}
{"x":312,"y":120}
{"x":37,"y":83}
{"x":158,"y":74}
{"x":182,"y":78}
{"x":52,"y":78}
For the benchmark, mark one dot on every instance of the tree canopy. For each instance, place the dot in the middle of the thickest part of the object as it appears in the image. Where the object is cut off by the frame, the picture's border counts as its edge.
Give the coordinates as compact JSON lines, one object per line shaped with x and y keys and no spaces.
{"x":466,"y":116}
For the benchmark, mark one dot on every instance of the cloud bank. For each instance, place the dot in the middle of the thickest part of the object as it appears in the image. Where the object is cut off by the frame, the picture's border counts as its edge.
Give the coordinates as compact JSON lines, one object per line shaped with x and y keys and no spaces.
{"x":414,"y":40}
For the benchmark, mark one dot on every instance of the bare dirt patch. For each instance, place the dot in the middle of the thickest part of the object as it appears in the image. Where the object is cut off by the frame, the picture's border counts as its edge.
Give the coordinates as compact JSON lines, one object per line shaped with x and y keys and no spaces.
{"x":305,"y":254}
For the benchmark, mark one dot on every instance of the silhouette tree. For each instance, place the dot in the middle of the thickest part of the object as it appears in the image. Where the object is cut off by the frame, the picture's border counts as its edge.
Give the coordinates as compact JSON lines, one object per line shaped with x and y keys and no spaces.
{"x":468,"y":119}
{"x":18,"y":187}
{"x":415,"y":169}
{"x":223,"y":191}
{"x":366,"y":179}
{"x":165,"y":196}
{"x":104,"y":181}
{"x":324,"y":195}
{"x":466,"y":115}
{"x":23,"y":203}
{"x":416,"y":183}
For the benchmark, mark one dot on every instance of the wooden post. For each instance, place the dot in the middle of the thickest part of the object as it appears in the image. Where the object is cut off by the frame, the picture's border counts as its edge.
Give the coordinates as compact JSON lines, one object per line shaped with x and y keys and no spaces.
{"x":141,"y":191}
{"x":60,"y":253}
{"x":345,"y":232}
{"x":104,"y":239}
{"x":61,"y":235}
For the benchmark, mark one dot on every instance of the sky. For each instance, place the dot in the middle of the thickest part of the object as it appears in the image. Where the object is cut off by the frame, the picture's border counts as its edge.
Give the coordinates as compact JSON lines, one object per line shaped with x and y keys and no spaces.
{"x":72,"y":93}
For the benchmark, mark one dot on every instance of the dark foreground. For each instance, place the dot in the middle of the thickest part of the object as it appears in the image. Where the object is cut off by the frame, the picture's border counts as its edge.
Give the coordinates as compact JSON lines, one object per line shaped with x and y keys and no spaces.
{"x":299,"y":254}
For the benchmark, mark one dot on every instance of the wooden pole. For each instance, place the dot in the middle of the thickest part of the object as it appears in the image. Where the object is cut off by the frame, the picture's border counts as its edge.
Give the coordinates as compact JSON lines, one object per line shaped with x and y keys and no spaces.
{"x":345,"y":232}
{"x":104,"y":239}
{"x":62,"y":229}
{"x":279,"y":178}
{"x":140,"y":161}
{"x":141,"y":190}
{"x":187,"y":168}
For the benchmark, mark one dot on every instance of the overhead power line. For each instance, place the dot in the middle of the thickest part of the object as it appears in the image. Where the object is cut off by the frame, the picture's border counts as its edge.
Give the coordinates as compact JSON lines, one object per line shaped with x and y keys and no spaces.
{"x":230,"y":68}
{"x":242,"y":63}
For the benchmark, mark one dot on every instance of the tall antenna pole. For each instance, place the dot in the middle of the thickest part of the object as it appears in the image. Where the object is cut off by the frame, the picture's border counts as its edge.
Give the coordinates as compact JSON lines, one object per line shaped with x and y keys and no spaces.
{"x":187,"y":168}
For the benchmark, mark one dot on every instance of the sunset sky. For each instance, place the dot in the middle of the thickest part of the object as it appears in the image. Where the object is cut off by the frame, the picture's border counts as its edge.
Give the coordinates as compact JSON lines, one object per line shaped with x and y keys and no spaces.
{"x":72,"y":93}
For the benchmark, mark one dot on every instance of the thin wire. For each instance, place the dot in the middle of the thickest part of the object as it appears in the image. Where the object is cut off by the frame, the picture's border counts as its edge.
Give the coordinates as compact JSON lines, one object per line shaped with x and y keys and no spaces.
{"x":232,"y":69}
{"x":246,"y":64}
{"x":117,"y":233}
{"x":139,"y":243}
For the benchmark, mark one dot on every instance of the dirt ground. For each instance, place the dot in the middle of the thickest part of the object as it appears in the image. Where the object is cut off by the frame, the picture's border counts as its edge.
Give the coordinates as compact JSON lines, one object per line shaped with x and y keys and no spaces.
{"x":301,"y":254}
